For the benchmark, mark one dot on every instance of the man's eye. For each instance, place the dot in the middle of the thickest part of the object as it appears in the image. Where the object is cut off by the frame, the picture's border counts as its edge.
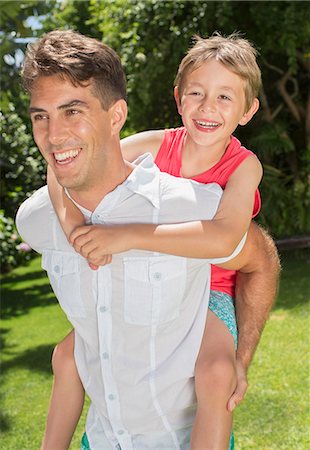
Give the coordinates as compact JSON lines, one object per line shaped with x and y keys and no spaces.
{"x":38,"y":117}
{"x":72,"y":112}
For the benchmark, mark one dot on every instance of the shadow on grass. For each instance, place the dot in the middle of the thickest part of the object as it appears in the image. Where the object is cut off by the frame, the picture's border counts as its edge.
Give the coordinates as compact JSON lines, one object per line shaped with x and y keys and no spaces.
{"x":37,"y":359}
{"x":20,"y":293}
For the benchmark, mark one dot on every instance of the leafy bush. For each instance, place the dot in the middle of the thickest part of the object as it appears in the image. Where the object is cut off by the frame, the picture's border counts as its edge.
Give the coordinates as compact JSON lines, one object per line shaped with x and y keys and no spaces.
{"x":22,"y":171}
{"x":13,"y":250}
{"x":22,"y":167}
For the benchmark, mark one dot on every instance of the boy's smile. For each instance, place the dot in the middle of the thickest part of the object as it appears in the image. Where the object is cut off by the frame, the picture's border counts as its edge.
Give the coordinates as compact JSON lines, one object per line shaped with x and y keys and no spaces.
{"x":212,"y":104}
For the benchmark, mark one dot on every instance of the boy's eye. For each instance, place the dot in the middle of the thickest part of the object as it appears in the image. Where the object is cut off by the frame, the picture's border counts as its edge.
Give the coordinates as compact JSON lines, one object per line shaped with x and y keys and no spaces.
{"x":224,"y":97}
{"x":195,"y":93}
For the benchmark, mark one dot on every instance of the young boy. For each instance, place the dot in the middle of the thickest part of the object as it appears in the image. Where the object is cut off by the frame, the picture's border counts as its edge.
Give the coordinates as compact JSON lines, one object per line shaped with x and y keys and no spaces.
{"x":216,"y":89}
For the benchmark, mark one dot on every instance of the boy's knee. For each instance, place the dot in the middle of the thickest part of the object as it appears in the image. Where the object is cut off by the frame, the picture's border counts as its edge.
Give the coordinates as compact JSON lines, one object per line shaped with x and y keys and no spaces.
{"x":62,"y":359}
{"x":216,"y":375}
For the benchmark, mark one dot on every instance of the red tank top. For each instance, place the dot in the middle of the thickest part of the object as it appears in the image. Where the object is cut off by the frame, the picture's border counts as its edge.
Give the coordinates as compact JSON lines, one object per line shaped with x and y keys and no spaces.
{"x":169,"y":159}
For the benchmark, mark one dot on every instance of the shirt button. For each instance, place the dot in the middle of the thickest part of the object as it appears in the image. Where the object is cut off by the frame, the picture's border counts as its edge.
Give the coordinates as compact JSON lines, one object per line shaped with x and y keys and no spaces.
{"x":105,"y":355}
{"x":157,"y":276}
{"x":111,"y":397}
{"x":103,"y":309}
{"x":57,"y":269}
{"x":120,"y":432}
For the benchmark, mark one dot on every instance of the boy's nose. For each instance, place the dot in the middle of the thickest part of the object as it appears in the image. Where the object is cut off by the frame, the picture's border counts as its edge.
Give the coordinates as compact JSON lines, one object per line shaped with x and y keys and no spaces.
{"x":207,"y":104}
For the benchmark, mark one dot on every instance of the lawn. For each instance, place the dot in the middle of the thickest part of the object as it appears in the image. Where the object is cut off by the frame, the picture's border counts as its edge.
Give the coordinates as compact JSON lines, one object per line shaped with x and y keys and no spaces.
{"x":274,"y":415}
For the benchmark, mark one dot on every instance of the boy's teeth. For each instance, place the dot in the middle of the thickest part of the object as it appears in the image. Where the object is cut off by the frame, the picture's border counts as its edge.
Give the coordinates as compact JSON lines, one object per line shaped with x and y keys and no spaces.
{"x":66,"y":155}
{"x":207,"y":124}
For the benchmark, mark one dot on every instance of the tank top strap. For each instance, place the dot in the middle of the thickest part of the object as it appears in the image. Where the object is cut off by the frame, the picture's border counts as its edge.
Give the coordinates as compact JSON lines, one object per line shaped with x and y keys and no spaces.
{"x":169,"y":156}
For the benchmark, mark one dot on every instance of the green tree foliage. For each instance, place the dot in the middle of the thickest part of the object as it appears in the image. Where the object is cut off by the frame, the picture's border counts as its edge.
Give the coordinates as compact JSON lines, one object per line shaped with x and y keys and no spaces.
{"x":151,"y":37}
{"x":22,"y":168}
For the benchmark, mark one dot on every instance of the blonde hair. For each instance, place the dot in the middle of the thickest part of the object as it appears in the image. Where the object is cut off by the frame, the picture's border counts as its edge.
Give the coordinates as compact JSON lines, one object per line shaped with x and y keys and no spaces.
{"x":235,"y":53}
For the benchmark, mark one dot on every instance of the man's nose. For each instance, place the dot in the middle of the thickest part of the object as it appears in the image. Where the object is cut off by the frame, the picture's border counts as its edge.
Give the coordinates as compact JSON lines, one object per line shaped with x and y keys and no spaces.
{"x":57,"y":131}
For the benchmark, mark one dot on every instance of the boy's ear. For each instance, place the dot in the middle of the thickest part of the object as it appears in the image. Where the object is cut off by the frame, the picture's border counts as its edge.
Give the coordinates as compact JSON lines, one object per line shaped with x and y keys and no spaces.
{"x":118,"y":116}
{"x":177,"y":99}
{"x":250,"y":113}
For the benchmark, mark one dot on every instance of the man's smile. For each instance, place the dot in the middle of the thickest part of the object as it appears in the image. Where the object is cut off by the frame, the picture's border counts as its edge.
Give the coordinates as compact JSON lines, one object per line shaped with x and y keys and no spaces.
{"x":67,"y":156}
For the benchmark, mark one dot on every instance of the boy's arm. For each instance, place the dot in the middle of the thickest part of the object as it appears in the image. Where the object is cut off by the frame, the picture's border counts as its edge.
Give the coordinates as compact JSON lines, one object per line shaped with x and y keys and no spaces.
{"x":145,"y":142}
{"x":198,"y":239}
{"x":70,"y":217}
{"x":256,"y":289}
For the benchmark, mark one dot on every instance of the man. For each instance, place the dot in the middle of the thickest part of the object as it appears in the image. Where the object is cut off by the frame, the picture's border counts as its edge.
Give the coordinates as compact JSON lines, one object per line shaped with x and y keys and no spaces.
{"x":138,"y":321}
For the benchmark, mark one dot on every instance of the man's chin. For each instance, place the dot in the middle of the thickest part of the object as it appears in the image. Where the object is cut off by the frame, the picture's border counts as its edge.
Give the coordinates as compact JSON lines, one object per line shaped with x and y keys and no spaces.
{"x":68,"y":183}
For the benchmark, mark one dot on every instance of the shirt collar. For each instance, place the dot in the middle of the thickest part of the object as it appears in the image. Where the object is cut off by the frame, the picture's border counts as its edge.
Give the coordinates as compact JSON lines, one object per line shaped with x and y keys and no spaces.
{"x":143,"y":180}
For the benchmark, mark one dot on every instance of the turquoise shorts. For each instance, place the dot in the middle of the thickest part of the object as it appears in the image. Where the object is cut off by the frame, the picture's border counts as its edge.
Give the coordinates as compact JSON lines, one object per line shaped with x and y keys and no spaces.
{"x":222,"y":305}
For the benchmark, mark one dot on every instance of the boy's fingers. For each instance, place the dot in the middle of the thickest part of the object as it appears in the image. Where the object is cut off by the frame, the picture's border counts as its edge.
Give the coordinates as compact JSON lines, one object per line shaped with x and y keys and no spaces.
{"x":79,"y":231}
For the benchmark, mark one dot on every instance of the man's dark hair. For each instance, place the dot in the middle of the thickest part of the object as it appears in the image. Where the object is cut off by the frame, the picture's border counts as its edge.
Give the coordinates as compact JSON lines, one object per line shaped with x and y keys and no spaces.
{"x":80,"y":59}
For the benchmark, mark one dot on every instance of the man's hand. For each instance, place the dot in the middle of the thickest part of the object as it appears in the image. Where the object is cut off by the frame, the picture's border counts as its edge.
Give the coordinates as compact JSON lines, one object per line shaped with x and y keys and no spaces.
{"x":241,"y":388}
{"x":97,"y":243}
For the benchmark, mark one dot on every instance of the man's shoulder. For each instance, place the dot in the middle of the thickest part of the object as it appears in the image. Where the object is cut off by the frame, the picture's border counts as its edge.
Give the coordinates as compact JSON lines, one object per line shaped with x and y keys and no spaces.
{"x":184,"y":199}
{"x":188,"y":185}
{"x":34,"y":218}
{"x":38,"y":203}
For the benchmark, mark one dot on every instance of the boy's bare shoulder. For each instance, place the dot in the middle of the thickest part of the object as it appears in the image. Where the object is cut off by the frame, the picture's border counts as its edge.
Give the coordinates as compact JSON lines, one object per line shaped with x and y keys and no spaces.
{"x":140,"y":143}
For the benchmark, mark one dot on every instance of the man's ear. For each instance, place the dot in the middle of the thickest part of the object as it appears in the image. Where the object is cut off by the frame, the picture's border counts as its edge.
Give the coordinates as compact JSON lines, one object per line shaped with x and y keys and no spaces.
{"x":250,"y":113}
{"x":177,"y":99}
{"x":118,"y":115}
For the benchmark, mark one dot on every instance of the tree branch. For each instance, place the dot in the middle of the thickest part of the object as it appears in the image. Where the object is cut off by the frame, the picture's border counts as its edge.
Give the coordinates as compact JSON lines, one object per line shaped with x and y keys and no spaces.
{"x":281,"y":84}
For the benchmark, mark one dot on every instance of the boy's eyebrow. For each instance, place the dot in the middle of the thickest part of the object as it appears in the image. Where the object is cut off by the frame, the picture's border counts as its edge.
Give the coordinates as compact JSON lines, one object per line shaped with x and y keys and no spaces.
{"x":71,"y":104}
{"x":197,"y":83}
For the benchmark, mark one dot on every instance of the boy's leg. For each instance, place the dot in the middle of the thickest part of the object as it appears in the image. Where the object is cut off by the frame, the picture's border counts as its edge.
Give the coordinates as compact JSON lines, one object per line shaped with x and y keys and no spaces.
{"x":215,"y":381}
{"x":67,"y":398}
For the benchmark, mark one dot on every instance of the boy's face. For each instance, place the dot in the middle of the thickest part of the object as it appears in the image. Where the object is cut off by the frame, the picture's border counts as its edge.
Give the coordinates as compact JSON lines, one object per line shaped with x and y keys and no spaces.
{"x":71,"y":130}
{"x":212,"y":104}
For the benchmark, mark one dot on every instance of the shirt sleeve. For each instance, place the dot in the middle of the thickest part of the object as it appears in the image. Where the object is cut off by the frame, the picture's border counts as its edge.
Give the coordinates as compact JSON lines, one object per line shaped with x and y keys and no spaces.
{"x":34,"y":220}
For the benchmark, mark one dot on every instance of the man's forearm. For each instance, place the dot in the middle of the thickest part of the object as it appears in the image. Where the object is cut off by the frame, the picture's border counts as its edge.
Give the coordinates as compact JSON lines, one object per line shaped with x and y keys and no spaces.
{"x":256,"y":290}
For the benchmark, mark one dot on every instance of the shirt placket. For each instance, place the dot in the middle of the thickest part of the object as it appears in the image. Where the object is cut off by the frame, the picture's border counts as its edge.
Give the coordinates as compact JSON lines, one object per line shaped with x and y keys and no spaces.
{"x":104,"y":318}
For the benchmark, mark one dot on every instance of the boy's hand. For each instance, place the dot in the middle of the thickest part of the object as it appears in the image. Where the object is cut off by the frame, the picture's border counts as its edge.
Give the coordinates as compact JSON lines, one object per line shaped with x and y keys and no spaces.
{"x":98,"y":242}
{"x":241,"y":388}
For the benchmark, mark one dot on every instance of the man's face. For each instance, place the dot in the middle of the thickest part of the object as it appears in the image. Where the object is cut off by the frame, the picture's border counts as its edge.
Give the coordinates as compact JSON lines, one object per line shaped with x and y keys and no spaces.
{"x":212,"y":104}
{"x":71,"y":130}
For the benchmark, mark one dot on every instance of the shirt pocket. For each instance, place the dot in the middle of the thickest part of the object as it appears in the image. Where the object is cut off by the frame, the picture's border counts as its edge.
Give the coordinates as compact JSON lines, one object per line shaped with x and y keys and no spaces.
{"x":63,"y":270}
{"x":153,"y":289}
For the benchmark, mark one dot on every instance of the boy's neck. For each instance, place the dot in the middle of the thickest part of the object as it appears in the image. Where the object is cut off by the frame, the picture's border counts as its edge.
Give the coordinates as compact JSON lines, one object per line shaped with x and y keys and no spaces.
{"x":197,"y":159}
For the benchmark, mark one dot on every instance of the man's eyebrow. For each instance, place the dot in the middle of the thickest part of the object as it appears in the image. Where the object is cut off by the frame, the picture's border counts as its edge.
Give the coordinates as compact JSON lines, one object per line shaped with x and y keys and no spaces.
{"x":71,"y":104}
{"x":33,"y":109}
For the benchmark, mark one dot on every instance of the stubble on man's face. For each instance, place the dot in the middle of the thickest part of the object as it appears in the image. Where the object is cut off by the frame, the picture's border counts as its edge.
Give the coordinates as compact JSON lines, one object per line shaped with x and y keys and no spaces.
{"x":71,"y":130}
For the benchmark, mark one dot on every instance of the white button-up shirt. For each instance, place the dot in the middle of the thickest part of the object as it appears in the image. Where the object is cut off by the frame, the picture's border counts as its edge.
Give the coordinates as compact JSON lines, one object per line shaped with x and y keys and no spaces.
{"x":138,"y":321}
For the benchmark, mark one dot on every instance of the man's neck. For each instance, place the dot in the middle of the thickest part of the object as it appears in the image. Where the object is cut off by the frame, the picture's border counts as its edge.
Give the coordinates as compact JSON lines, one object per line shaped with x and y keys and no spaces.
{"x":91,"y":197}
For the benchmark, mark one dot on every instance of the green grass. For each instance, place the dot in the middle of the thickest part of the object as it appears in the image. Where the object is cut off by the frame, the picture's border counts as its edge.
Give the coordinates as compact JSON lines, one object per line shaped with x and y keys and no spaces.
{"x":31,"y":325}
{"x":274,"y":415}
